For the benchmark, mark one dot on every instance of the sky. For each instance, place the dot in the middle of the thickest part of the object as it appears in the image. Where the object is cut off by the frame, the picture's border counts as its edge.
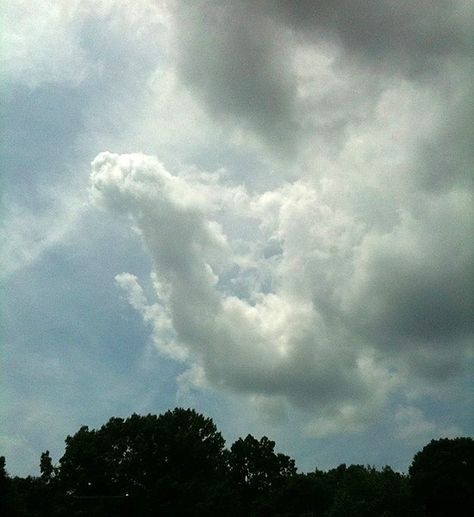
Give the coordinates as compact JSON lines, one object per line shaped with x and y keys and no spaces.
{"x":259,"y":209}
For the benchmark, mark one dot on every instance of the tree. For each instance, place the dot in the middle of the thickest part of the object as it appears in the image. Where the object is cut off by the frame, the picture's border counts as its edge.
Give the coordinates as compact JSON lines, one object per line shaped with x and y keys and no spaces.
{"x":253,"y":464}
{"x":442,"y":477}
{"x":360,"y":491}
{"x":46,"y":467}
{"x":167,"y":463}
{"x":300,"y":495}
{"x":4,"y":485}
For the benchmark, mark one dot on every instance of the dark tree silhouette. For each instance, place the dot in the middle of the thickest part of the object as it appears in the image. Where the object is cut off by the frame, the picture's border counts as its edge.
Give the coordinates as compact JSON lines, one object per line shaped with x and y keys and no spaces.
{"x":360,"y":491}
{"x":254,"y":470}
{"x":46,"y":467}
{"x":253,"y":464}
{"x":167,"y":463}
{"x":442,"y":477}
{"x":4,"y":486}
{"x":175,"y":465}
{"x":300,"y":495}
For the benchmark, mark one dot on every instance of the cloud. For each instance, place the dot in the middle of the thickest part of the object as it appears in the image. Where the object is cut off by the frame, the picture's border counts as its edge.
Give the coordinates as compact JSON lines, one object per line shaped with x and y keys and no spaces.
{"x":413,"y":427}
{"x":332,"y":332}
{"x":41,"y":44}
{"x":283,"y":71}
{"x":26,"y":235}
{"x":417,"y":278}
{"x":411,"y":37}
{"x":319,"y":276}
{"x":48,"y":42}
{"x":239,"y":65}
{"x":274,"y":343}
{"x":294,"y":291}
{"x":157,"y":315}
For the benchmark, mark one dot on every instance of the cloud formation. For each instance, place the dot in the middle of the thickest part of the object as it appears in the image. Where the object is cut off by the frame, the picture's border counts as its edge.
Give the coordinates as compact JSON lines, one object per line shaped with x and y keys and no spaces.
{"x":236,"y":63}
{"x":273,"y":343}
{"x":246,"y":60}
{"x":410,"y":36}
{"x":308,"y":217}
{"x":351,"y":280}
{"x":339,"y":310}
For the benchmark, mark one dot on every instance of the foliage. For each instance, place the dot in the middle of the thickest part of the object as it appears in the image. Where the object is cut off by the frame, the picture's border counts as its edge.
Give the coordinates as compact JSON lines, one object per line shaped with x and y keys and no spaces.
{"x":254,"y":470}
{"x":167,"y":461}
{"x":366,"y":492}
{"x":442,"y":477}
{"x":176,"y":464}
{"x":253,"y":464}
{"x":46,"y":467}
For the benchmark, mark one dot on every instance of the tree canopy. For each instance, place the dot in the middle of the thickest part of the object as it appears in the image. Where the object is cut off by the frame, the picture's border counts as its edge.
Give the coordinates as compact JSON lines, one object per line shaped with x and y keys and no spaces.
{"x":253,"y":464}
{"x":442,"y":477}
{"x":176,"y":464}
{"x":162,"y":459}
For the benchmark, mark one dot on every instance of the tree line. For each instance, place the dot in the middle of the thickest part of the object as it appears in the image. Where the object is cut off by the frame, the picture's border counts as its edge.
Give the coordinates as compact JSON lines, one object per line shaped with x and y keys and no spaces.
{"x":176,"y":464}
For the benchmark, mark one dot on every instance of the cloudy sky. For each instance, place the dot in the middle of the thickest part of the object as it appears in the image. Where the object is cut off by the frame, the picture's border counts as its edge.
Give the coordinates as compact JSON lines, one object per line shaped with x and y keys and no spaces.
{"x":259,"y":209}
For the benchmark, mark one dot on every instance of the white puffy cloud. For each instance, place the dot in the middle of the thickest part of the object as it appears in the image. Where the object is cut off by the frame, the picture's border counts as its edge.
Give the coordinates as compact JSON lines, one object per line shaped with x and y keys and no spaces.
{"x":157,"y":315}
{"x":343,"y":302}
{"x":275,"y":342}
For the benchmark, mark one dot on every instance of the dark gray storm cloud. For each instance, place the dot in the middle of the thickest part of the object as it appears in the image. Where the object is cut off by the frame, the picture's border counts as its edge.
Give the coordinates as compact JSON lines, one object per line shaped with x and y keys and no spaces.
{"x":238,"y":63}
{"x":238,"y":56}
{"x":409,"y":35}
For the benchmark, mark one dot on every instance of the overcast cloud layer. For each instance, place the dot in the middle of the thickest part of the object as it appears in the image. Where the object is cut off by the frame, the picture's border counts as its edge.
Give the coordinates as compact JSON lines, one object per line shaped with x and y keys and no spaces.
{"x":282,"y":192}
